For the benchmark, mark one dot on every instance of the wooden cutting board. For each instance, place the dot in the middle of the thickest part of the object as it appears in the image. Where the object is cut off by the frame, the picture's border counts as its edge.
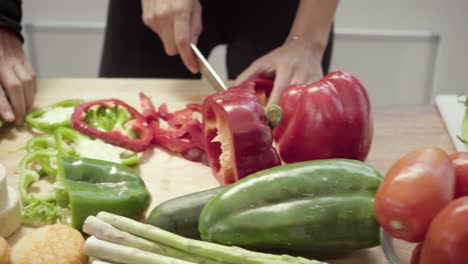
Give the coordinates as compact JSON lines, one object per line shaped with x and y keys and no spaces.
{"x":452,"y":112}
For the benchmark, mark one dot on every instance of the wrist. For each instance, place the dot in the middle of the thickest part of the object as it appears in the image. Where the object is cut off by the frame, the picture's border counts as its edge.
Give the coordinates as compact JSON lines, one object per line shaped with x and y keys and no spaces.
{"x":312,"y":45}
{"x":7,"y":33}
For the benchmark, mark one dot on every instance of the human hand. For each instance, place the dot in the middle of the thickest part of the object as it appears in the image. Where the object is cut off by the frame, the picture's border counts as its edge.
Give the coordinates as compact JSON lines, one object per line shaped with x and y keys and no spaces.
{"x":178,"y":23}
{"x":17,"y":79}
{"x":295,"y":62}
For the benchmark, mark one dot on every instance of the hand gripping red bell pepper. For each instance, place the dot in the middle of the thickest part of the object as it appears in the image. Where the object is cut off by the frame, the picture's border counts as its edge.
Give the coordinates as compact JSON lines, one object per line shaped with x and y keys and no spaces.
{"x":114,"y":122}
{"x":238,"y":141}
{"x":326,"y":119}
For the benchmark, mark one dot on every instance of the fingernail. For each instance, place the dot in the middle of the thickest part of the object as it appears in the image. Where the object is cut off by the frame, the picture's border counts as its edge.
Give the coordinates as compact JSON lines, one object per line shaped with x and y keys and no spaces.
{"x":193,"y":69}
{"x":9,"y":116}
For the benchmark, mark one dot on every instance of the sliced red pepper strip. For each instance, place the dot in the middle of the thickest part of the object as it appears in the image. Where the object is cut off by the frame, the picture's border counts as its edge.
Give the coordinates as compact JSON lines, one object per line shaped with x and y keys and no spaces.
{"x":195,"y":107}
{"x":238,"y":141}
{"x":181,"y":117}
{"x":148,"y":110}
{"x":164,"y":112}
{"x":137,"y":124}
{"x":184,"y":134}
{"x":186,"y":140}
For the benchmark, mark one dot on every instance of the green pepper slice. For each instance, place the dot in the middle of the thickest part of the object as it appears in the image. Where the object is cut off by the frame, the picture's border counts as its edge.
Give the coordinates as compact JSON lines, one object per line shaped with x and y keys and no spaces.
{"x":41,"y":118}
{"x":43,"y":142}
{"x":34,"y":166}
{"x":72,"y":143}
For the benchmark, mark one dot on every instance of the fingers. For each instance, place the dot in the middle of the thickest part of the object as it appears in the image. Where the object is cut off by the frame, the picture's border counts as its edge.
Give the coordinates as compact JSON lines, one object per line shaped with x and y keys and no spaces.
{"x":158,"y":16}
{"x":197,"y":25}
{"x":178,"y":23}
{"x":27,"y":82}
{"x":182,"y":38}
{"x":282,"y":80}
{"x":250,"y":71}
{"x":14,"y":90}
{"x":257,"y":68}
{"x":5,"y":109}
{"x":33,"y":75}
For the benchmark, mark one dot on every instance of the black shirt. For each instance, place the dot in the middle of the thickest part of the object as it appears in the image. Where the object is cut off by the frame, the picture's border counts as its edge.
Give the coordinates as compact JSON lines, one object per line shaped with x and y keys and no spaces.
{"x":10,"y":16}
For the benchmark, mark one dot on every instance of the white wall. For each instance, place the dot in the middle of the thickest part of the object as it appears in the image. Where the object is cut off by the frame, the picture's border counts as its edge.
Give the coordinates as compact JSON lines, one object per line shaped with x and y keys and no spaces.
{"x":403,"y":51}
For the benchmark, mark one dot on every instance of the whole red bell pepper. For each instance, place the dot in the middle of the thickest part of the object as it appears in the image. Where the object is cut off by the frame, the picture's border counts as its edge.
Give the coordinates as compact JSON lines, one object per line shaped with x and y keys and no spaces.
{"x":330,"y":118}
{"x":110,"y":126}
{"x":238,"y":141}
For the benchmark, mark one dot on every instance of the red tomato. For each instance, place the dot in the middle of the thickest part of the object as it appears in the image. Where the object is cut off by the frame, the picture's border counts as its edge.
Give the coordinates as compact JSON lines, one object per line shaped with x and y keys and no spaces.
{"x":447,"y":238}
{"x":460,"y":163}
{"x":416,"y":255}
{"x":414,"y":190}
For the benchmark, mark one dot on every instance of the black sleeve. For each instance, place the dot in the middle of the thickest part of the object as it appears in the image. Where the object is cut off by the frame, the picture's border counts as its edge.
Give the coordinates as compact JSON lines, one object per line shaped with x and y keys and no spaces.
{"x":10,"y":16}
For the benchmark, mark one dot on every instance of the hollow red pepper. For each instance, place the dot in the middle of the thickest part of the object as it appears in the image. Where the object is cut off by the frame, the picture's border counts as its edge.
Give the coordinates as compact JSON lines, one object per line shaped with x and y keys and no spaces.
{"x":238,"y":141}
{"x":330,"y":118}
{"x":261,"y":85}
{"x":114,"y":122}
{"x":184,"y":132}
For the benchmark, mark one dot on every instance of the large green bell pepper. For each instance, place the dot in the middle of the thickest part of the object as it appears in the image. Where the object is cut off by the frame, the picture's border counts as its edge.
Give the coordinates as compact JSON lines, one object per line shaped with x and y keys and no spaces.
{"x":49,"y":118}
{"x":89,"y":186}
{"x":322,"y":207}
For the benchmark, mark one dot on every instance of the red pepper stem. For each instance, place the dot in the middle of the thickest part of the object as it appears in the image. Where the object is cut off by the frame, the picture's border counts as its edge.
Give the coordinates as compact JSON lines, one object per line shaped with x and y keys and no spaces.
{"x":274,"y":115}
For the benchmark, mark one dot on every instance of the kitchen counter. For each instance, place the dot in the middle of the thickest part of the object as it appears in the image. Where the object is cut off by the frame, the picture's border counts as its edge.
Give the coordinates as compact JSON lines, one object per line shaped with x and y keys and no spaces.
{"x":398,"y":129}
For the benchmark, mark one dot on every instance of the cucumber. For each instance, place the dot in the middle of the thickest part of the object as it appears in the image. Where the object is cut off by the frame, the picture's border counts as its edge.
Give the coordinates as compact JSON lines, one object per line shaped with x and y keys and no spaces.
{"x":318,"y":208}
{"x":180,"y":215}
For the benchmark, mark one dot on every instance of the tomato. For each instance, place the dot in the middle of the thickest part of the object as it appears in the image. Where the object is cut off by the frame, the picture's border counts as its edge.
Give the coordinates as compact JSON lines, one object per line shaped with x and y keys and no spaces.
{"x":416,"y":255}
{"x":413,"y":191}
{"x":460,"y":163}
{"x":447,"y":238}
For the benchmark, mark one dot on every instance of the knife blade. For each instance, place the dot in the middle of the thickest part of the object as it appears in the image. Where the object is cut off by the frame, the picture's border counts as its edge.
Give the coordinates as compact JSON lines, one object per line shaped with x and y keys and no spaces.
{"x":207,"y":71}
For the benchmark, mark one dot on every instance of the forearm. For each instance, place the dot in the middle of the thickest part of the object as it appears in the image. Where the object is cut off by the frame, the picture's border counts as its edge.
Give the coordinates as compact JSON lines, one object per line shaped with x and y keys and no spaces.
{"x":10,"y":16}
{"x":313,"y":23}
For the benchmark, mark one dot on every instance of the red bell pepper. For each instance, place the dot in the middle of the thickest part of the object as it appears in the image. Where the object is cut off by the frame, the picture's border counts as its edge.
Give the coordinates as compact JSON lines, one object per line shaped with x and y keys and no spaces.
{"x":184,"y":132}
{"x":131,"y":121}
{"x":326,"y":119}
{"x":186,"y":140}
{"x":238,"y":141}
{"x":261,"y":85}
{"x":148,"y":110}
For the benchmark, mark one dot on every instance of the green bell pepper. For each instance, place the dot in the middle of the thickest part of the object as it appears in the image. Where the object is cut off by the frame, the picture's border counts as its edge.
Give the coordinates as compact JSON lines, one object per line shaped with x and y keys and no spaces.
{"x":322,"y":207}
{"x":49,"y":118}
{"x":72,"y":143}
{"x":83,"y":187}
{"x":90,"y":186}
{"x":1,"y":122}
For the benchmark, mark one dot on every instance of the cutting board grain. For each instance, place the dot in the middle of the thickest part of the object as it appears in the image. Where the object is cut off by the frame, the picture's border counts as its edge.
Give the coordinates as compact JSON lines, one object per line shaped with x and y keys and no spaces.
{"x":397,"y":130}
